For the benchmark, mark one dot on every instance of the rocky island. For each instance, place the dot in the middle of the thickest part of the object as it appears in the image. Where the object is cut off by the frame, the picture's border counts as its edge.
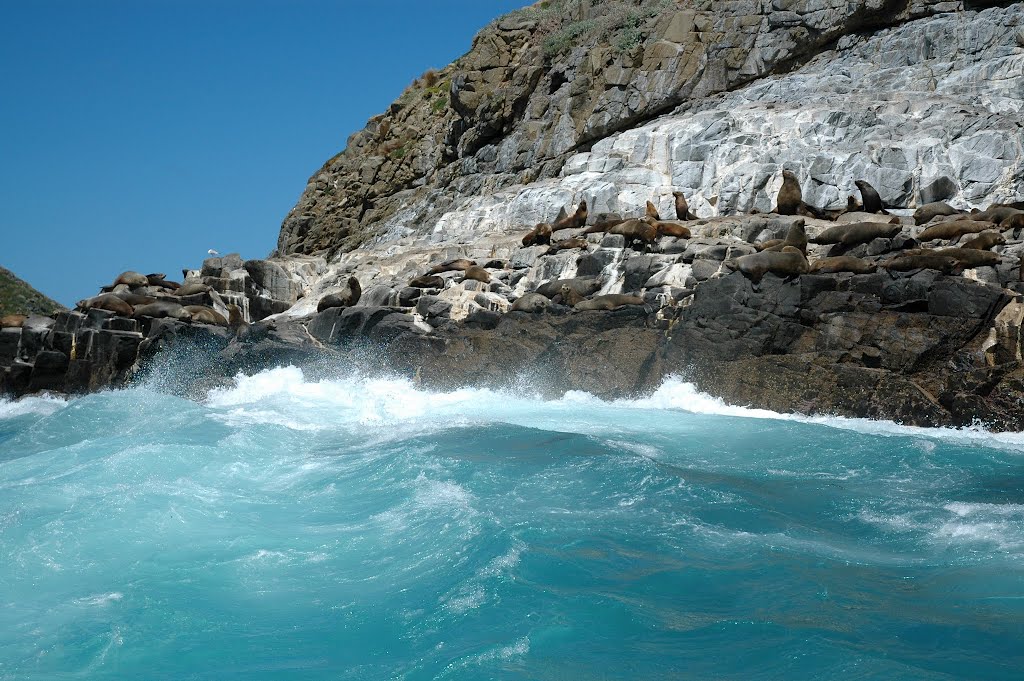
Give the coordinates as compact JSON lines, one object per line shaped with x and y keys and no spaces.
{"x":599,"y":195}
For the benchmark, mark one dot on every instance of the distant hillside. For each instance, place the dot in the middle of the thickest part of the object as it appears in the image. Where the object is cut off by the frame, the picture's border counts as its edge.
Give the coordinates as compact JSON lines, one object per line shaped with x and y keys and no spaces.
{"x":16,"y":296}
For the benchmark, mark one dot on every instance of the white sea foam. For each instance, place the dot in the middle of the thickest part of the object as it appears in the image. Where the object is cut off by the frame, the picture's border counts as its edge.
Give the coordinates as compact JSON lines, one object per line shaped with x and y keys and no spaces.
{"x":284,"y":396}
{"x":43,"y":405}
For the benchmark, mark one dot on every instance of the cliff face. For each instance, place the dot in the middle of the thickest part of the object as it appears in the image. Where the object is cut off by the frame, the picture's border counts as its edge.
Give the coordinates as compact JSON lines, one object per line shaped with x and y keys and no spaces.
{"x":562,"y":77}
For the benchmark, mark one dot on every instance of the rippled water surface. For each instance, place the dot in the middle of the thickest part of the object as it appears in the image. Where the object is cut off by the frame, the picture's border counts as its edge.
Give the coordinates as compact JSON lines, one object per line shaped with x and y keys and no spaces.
{"x":291,"y":528}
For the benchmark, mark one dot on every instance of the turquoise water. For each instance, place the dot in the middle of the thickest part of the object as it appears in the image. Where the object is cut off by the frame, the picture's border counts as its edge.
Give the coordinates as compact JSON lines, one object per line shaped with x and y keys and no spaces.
{"x":292,"y":528}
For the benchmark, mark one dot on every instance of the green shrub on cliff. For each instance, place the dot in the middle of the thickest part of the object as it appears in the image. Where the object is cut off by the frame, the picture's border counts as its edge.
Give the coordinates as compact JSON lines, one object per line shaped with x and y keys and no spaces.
{"x":17,"y":297}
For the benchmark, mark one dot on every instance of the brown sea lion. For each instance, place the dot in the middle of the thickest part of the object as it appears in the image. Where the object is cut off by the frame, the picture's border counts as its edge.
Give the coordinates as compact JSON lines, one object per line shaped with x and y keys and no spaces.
{"x":134,"y":299}
{"x":1014,"y":222}
{"x":530,"y":302}
{"x":165,"y":283}
{"x":953,"y":229}
{"x":162,"y":309}
{"x":427,"y":281}
{"x":155,"y":278}
{"x":106,"y":301}
{"x":931,"y":210}
{"x":869,"y":197}
{"x":612,"y":301}
{"x":346,"y":297}
{"x":457,"y":265}
{"x":192,"y":289}
{"x":795,"y":237}
{"x":971,"y":257}
{"x":996,"y":213}
{"x":637,"y":232}
{"x":790,"y":197}
{"x":918,"y":261}
{"x":602,"y":226}
{"x":985,"y":241}
{"x":496,"y":264}
{"x":130,"y":278}
{"x":651,"y":212}
{"x":202,"y":314}
{"x":12,"y":321}
{"x":842,"y":263}
{"x":477,"y":274}
{"x":770,"y":243}
{"x":787,"y":262}
{"x":575,"y":221}
{"x":569,"y":296}
{"x":568,"y":244}
{"x":863,"y":232}
{"x":682,"y":207}
{"x":236,"y":319}
{"x":539,"y":235}
{"x":582,"y":285}
{"x":672,"y":229}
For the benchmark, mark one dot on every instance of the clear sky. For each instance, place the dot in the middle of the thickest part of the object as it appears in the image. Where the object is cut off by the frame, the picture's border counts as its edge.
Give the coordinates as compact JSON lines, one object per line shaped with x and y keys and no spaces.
{"x":138,"y":134}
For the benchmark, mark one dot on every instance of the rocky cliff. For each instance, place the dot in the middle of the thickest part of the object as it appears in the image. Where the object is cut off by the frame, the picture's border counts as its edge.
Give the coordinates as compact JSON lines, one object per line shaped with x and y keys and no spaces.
{"x":17,"y":297}
{"x":620,"y":104}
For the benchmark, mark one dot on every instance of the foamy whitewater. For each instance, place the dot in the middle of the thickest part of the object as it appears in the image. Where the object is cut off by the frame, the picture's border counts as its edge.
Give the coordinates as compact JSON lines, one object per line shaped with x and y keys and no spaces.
{"x":361,"y":528}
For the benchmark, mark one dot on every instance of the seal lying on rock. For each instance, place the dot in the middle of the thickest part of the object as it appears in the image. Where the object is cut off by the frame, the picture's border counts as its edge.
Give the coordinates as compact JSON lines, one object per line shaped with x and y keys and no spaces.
{"x":611,"y":301}
{"x":131,"y":279}
{"x":202,"y":314}
{"x":842,"y":263}
{"x":796,"y":237}
{"x":106,"y":301}
{"x":12,"y":321}
{"x":787,"y":262}
{"x":682,"y":207}
{"x":347,"y":297}
{"x":538,"y":236}
{"x":863,"y":232}
{"x":568,"y":244}
{"x":192,"y":289}
{"x":968,"y":257}
{"x":985,"y":241}
{"x":930,"y":261}
{"x":582,"y":285}
{"x":569,"y":296}
{"x":931,"y":210}
{"x":1014,"y":222}
{"x":134,"y":298}
{"x":162,"y":309}
{"x":637,"y":232}
{"x":427,"y":281}
{"x":477,"y":273}
{"x":670,"y":229}
{"x":953,"y":229}
{"x":530,"y":302}
{"x":457,"y":265}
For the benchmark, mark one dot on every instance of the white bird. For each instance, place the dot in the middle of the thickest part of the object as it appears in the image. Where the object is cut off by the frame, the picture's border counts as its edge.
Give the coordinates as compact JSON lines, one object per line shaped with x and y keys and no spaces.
{"x":213,"y":252}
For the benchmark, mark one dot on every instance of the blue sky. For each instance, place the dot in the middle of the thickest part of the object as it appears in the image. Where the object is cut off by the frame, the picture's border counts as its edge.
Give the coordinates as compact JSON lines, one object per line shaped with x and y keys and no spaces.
{"x":138,"y":134}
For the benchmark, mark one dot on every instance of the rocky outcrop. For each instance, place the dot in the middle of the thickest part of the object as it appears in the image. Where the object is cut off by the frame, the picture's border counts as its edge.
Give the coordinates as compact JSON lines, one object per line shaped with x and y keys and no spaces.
{"x":18,"y":298}
{"x":929,"y":96}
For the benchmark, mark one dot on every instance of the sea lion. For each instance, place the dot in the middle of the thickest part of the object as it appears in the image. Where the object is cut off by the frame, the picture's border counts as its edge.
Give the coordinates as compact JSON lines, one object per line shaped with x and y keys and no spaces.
{"x":574,"y":221}
{"x":134,"y":299}
{"x":996,"y":213}
{"x":931,"y":210}
{"x":787,"y":262}
{"x":235,"y":318}
{"x":795,"y":237}
{"x":842,"y":263}
{"x":192,"y":289}
{"x":682,"y":207}
{"x":496,"y":264}
{"x":611,"y":301}
{"x":530,"y":302}
{"x":155,"y":278}
{"x":202,"y":314}
{"x":918,"y":261}
{"x":165,"y":283}
{"x":457,"y":265}
{"x":770,"y":243}
{"x":985,"y":241}
{"x":601,"y":226}
{"x":790,"y":197}
{"x":637,"y":232}
{"x":131,"y":279}
{"x":106,"y":301}
{"x":971,"y":257}
{"x":568,"y":244}
{"x":953,"y":229}
{"x":672,"y":229}
{"x":12,"y":321}
{"x":569,"y":296}
{"x":651,"y":212}
{"x":161,"y":309}
{"x":1014,"y":222}
{"x":539,"y":235}
{"x":582,"y":285}
{"x":427,"y":281}
{"x":863,"y":232}
{"x":870,"y":199}
{"x":346,"y":297}
{"x":477,"y":274}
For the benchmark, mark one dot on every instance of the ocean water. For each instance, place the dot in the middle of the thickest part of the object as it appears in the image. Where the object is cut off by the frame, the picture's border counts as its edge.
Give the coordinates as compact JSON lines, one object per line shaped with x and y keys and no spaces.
{"x":292,"y":527}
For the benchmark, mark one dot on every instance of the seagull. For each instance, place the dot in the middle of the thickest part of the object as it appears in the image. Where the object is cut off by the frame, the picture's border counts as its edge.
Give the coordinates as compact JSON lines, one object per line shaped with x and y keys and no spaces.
{"x":213,"y":252}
